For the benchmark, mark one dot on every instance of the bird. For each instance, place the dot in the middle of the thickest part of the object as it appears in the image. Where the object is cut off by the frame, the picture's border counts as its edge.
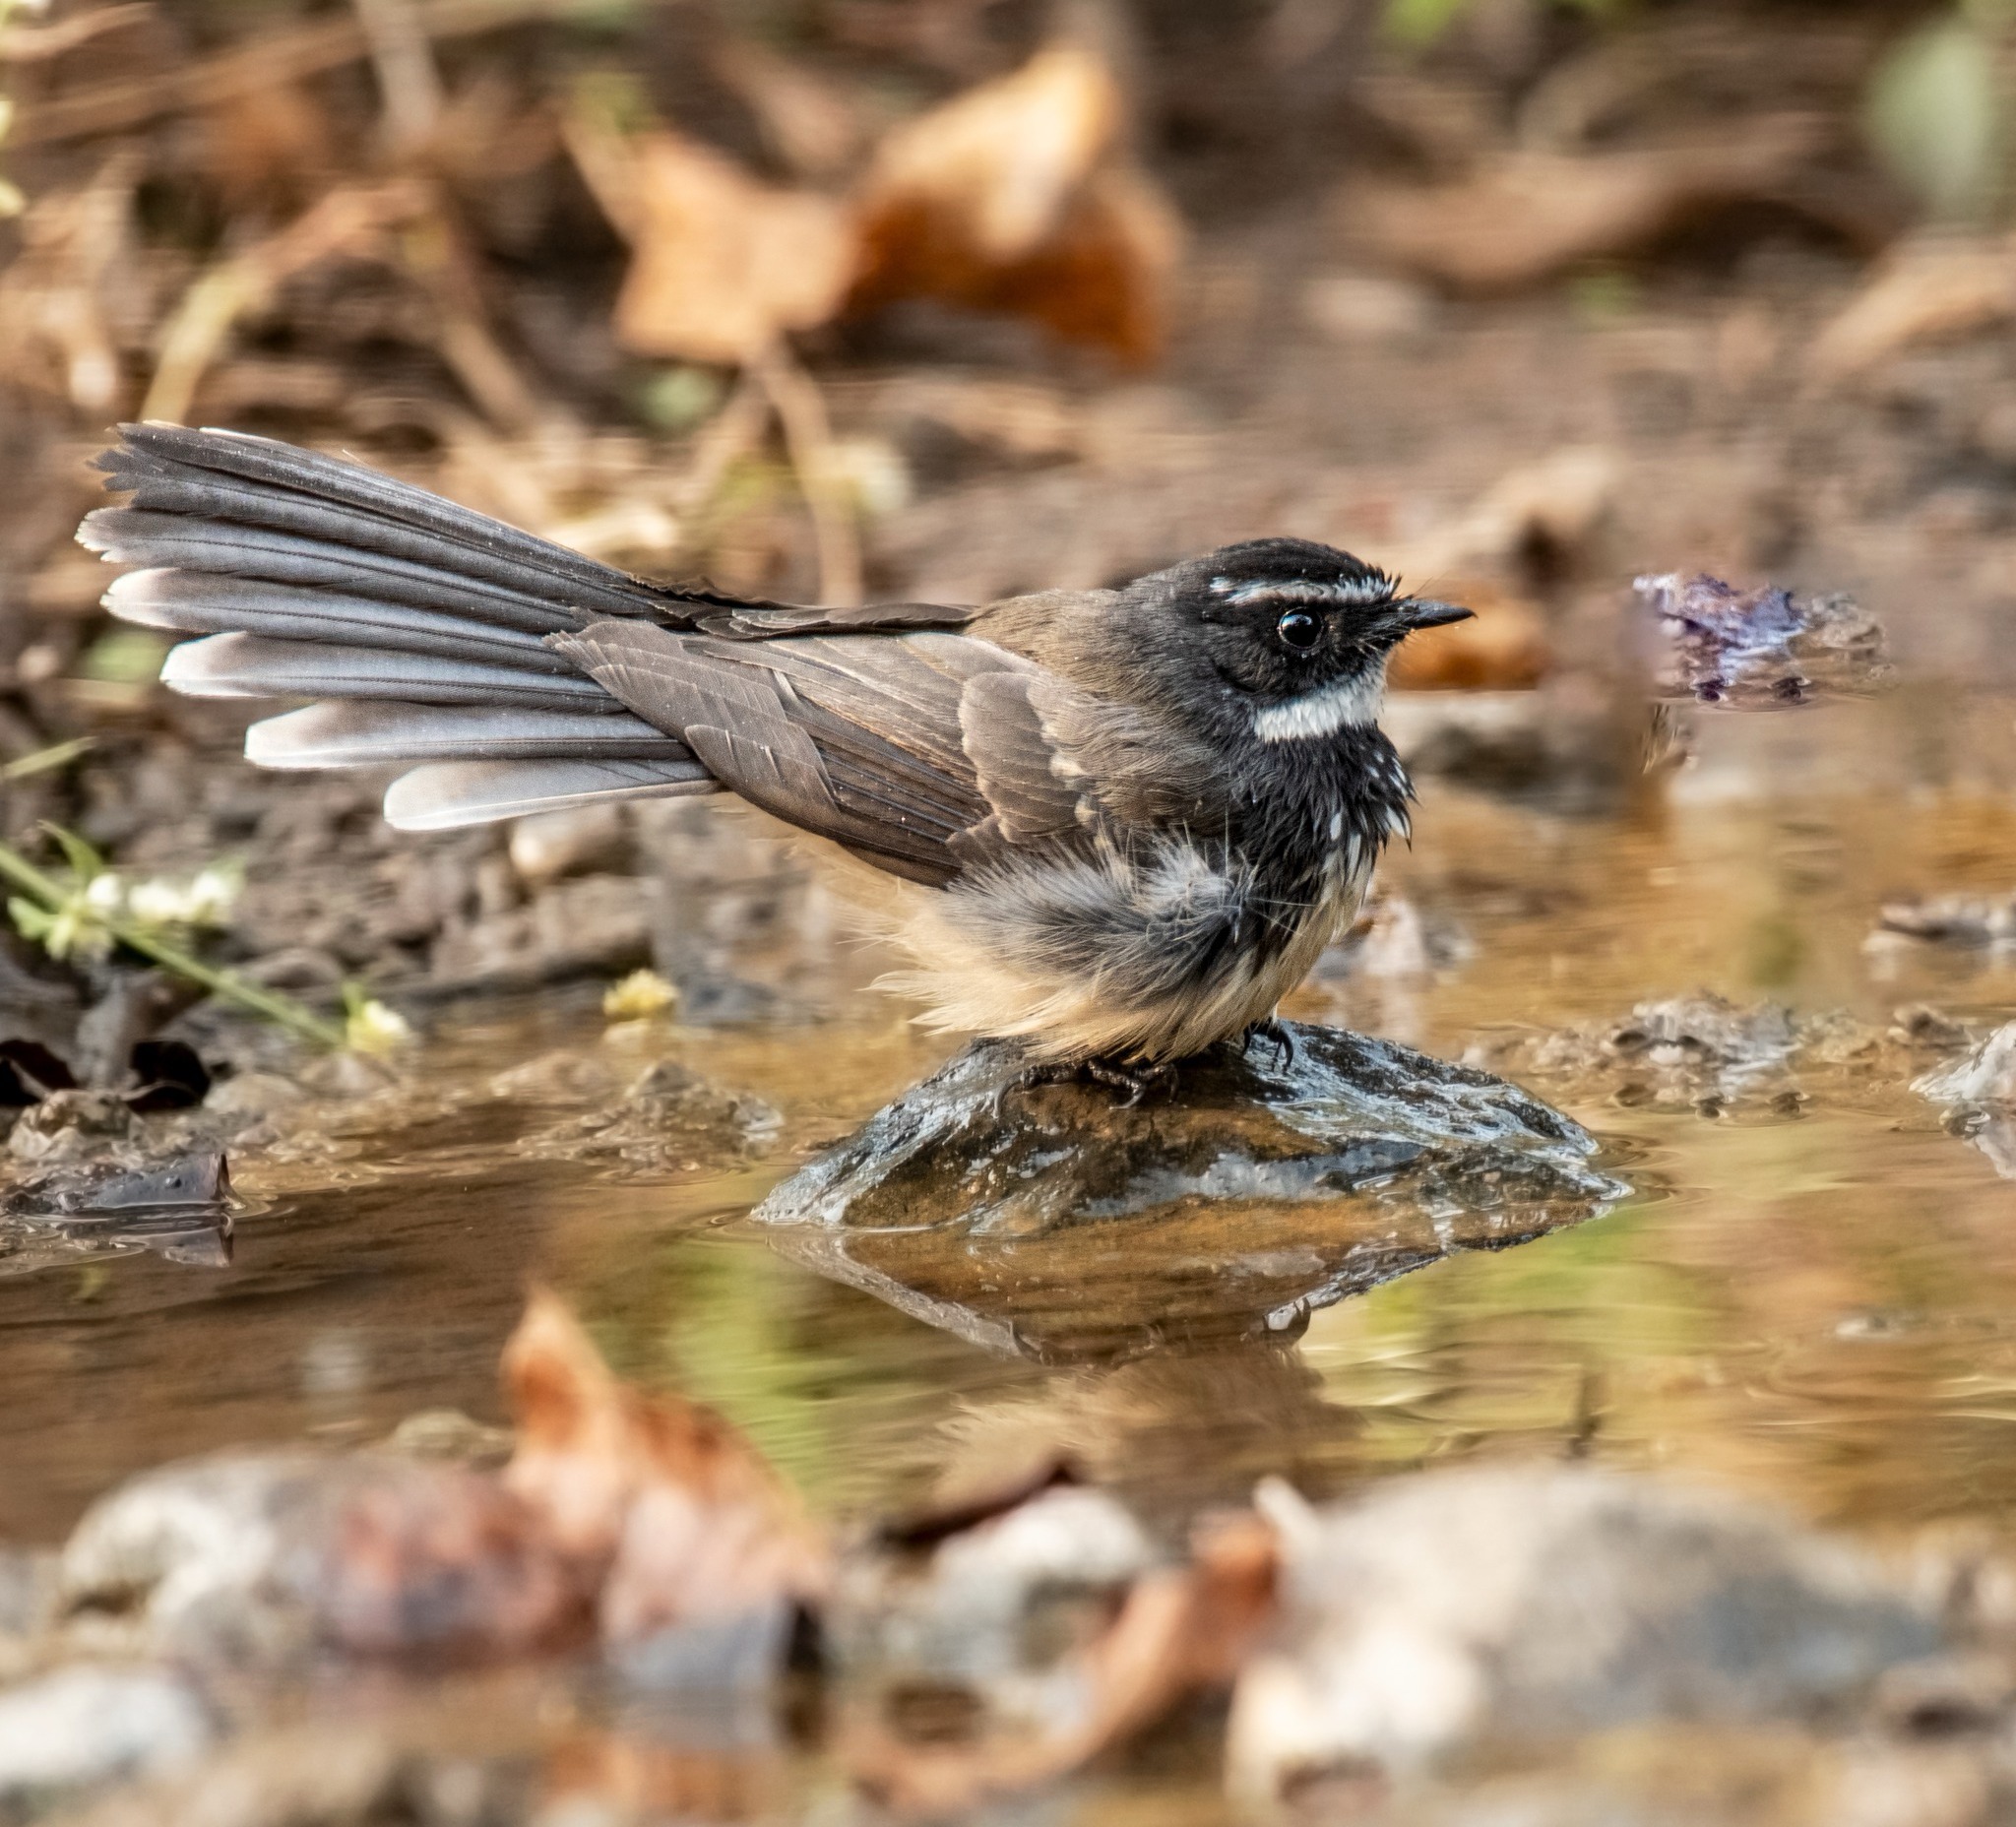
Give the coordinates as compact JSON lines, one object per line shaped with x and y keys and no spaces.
{"x":1117,"y":824}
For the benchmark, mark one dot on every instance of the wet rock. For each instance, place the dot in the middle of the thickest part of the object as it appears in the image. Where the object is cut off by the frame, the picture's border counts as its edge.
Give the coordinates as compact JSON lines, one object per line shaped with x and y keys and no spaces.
{"x":1396,"y":941}
{"x":254,"y":1107}
{"x":1987,"y":1075}
{"x":668,"y":1119}
{"x":1761,"y":649}
{"x":71,"y":1126}
{"x":985,"y":1612}
{"x":1457,"y":1611}
{"x":1706,"y":1053}
{"x":84,"y":1727}
{"x":1919,"y":1024}
{"x":1960,"y":922}
{"x":450,"y":1434}
{"x":177,"y":1207}
{"x":1051,"y":1220}
{"x":1978,"y":1097}
{"x":266,"y":1560}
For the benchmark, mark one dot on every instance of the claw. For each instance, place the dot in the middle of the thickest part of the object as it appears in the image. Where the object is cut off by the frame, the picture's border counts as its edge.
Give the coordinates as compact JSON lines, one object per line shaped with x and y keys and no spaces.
{"x":1131,"y":1077}
{"x":1278,"y":1035}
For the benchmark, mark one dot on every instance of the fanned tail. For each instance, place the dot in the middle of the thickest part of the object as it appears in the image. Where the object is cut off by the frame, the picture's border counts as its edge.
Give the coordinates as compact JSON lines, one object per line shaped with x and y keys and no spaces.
{"x":420,"y":625}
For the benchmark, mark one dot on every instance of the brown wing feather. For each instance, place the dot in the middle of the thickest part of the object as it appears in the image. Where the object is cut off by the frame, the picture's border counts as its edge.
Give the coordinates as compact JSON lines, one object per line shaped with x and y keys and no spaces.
{"x":927,"y":754}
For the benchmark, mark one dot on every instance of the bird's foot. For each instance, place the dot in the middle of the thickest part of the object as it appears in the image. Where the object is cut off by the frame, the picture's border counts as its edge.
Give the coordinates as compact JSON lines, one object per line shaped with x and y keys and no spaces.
{"x":1278,"y":1036}
{"x":1136,"y":1078}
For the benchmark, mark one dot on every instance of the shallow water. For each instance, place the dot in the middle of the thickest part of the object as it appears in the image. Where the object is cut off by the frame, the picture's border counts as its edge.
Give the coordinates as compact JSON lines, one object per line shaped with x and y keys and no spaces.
{"x":1819,"y":1306}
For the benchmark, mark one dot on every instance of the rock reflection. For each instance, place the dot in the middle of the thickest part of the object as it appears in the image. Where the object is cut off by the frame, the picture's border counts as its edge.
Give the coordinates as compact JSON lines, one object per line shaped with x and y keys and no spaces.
{"x":1050,"y":1222}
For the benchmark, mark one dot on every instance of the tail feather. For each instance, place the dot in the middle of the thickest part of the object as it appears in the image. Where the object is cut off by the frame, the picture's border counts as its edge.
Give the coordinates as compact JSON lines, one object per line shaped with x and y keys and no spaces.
{"x":229,"y":476}
{"x":194,"y":603}
{"x":421,"y":625}
{"x":448,"y":794}
{"x":138,"y":537}
{"x":249,"y":666}
{"x":374,"y":733}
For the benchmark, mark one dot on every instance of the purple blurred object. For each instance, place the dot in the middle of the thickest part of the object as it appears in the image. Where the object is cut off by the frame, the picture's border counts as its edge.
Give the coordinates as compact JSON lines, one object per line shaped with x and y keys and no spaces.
{"x":1759,"y":650}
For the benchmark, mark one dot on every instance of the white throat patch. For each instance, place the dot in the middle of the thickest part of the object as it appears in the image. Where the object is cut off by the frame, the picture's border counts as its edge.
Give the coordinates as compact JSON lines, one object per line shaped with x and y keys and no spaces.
{"x":1343,"y":704}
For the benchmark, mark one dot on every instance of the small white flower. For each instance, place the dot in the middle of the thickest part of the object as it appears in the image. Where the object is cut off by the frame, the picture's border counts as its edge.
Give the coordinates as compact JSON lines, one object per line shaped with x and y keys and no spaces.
{"x":375,"y":1029}
{"x":106,"y":894}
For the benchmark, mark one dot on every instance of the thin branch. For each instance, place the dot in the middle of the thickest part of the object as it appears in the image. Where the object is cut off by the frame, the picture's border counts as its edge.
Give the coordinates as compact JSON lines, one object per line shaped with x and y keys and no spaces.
{"x":808,"y":437}
{"x":408,"y":80}
{"x":342,"y":221}
{"x":40,"y":44}
{"x":263,"y":62}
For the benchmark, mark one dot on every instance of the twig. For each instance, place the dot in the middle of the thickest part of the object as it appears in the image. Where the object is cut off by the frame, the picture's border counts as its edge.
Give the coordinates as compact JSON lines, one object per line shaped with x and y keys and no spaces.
{"x":808,"y":437}
{"x":40,"y":44}
{"x":408,"y":82}
{"x":434,"y":252}
{"x":261,"y":63}
{"x":281,"y":1010}
{"x":220,"y":296}
{"x":730,"y":435}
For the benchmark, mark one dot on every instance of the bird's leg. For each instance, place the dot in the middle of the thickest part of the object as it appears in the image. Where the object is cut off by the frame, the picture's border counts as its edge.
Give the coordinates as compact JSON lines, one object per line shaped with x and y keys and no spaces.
{"x":1278,"y":1036}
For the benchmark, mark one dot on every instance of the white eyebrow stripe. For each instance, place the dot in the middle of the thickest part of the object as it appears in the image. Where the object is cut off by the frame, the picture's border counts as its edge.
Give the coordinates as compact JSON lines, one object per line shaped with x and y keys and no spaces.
{"x":1363,"y":591}
{"x":1342,"y":704}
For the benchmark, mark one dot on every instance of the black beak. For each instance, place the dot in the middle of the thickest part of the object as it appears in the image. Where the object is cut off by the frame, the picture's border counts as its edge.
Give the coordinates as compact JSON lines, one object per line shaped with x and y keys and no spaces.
{"x":1424,"y":612}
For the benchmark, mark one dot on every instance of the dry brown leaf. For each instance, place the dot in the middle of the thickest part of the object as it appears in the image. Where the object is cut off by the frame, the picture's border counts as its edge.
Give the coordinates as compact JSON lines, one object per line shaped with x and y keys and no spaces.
{"x":1003,"y":160}
{"x":1181,"y":1631}
{"x":1526,"y":215}
{"x":687,"y":1519}
{"x":438,"y":1561}
{"x":1924,"y":294}
{"x":723,"y":266}
{"x":1010,"y":197}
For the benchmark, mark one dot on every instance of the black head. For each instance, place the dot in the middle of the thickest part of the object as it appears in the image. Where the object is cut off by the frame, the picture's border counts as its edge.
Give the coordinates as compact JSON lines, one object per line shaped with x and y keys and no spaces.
{"x":1297,"y":633}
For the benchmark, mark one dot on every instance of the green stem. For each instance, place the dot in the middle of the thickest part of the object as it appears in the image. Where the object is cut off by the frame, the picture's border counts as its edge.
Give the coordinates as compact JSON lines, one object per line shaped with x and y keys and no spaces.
{"x":229,"y":985}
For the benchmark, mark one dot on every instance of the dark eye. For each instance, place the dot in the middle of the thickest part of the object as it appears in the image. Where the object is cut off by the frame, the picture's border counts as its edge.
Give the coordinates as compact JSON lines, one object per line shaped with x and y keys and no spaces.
{"x":1300,"y":631}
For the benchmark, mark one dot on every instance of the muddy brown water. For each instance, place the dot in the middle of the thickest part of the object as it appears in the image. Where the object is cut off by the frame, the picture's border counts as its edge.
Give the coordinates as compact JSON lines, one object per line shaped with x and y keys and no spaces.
{"x":1819,"y":1306}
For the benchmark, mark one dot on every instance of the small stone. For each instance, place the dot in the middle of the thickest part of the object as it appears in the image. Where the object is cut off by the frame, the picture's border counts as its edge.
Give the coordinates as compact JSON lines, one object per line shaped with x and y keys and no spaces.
{"x":1452,"y":1611}
{"x":254,"y":1096}
{"x":450,"y":1434}
{"x":576,"y":842}
{"x":71,"y":1126}
{"x":1919,"y":1024}
{"x":83,"y":1727}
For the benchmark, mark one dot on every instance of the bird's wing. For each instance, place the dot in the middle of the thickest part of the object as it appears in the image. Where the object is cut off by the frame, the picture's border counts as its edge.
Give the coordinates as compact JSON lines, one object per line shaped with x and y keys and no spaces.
{"x":928,"y":754}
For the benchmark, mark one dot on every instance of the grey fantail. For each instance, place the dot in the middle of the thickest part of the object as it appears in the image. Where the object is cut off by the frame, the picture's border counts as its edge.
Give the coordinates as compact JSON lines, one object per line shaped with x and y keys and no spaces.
{"x":1126,"y":821}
